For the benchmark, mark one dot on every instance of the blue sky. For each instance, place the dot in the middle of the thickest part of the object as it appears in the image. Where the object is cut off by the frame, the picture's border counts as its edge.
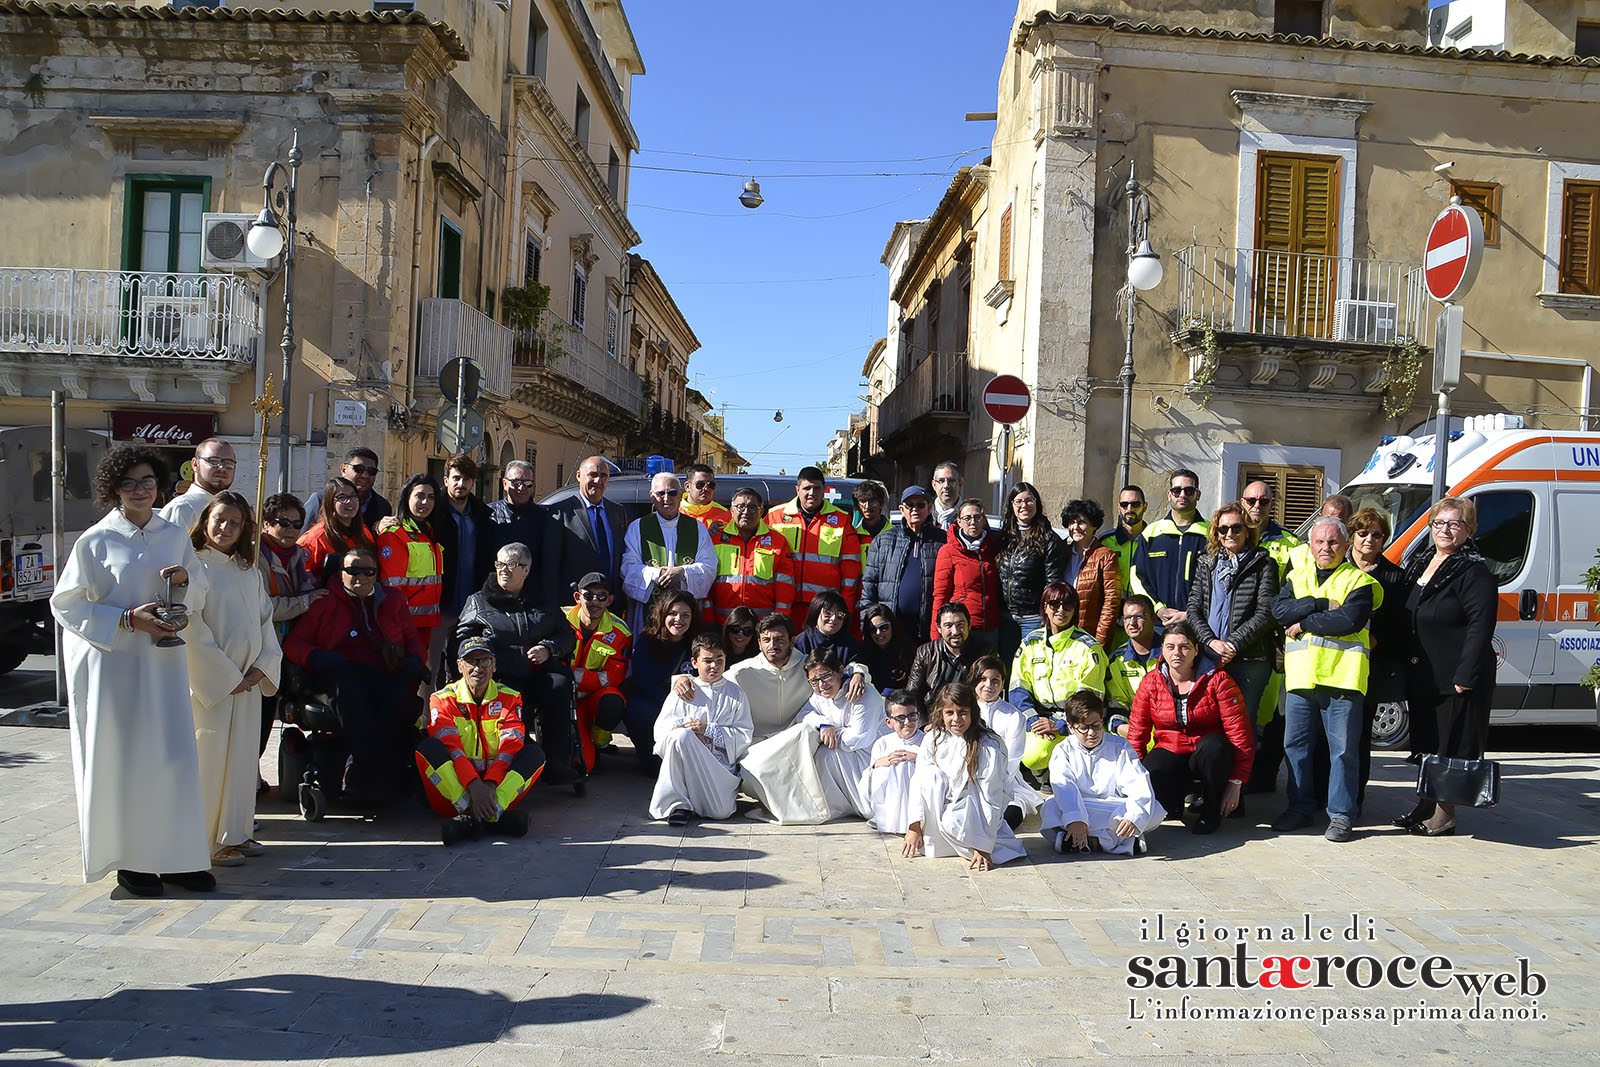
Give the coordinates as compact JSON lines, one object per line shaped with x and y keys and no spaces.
{"x":786,"y":307}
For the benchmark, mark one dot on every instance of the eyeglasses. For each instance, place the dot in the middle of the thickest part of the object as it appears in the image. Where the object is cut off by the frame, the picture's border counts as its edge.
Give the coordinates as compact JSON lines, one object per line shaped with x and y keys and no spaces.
{"x":133,"y":485}
{"x":742,"y":631}
{"x":507,"y":564}
{"x":213,"y":461}
{"x":748,"y":505}
{"x":287,"y":524}
{"x":1448,"y":524}
{"x":361,"y":572}
{"x":362,"y":468}
{"x":519,"y":483}
{"x":972,"y":518}
{"x":1184,"y":490}
{"x":346,"y":498}
{"x":1258,"y":500}
{"x":1230,"y":528}
{"x":913,"y":717}
{"x":593,"y":597}
{"x":1088,"y":728}
{"x":880,"y":627}
{"x":479,"y":663}
{"x":820,"y":680}
{"x":1136,"y":620}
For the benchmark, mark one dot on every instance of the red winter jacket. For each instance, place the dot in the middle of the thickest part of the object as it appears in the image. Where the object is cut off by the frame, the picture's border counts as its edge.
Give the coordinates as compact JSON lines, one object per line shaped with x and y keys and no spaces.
{"x":329,"y":625}
{"x":1215,"y":707}
{"x":969,"y":578}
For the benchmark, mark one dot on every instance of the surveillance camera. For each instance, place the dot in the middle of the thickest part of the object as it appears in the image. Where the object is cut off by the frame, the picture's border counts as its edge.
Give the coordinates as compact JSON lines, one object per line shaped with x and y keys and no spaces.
{"x":1441,"y":168}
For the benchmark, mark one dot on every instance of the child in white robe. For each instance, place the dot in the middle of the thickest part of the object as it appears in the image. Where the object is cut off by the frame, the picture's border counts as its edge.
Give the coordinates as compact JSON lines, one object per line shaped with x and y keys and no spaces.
{"x":1101,"y":796}
{"x":700,"y":741}
{"x":846,"y":731}
{"x":887,"y":781}
{"x":960,"y":789}
{"x":987,"y":676}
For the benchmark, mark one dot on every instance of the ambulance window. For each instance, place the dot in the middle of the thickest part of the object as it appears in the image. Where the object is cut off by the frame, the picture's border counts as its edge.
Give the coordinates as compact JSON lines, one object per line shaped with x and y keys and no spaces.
{"x":1505,"y":525}
{"x":1577,"y":519}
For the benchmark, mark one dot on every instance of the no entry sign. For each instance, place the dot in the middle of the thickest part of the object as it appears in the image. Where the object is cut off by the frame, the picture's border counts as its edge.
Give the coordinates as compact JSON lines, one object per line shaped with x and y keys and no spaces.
{"x":1450,"y":260}
{"x":1006,"y":399}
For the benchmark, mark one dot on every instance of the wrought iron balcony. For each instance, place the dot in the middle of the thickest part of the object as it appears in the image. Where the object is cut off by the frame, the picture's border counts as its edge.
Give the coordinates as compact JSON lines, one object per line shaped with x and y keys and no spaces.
{"x":65,"y":312}
{"x":558,"y":347}
{"x":451,"y":328}
{"x":939,"y":389}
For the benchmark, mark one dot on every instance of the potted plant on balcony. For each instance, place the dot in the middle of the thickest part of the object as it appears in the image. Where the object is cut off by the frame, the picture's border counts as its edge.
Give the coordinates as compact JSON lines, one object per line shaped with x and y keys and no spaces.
{"x":523,"y":307}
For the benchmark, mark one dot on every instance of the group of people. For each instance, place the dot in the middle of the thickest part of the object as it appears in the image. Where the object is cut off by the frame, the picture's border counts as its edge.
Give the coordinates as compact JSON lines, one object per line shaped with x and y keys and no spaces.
{"x":936,"y":677}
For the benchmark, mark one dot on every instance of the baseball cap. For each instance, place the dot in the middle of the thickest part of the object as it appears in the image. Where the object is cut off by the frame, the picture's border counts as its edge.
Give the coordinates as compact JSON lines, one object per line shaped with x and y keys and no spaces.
{"x":915,"y":490}
{"x":476,"y":643}
{"x":592,"y":578}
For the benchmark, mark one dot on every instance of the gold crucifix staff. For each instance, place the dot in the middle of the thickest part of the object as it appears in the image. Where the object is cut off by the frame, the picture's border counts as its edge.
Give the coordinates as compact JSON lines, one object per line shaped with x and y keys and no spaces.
{"x":266,"y":405}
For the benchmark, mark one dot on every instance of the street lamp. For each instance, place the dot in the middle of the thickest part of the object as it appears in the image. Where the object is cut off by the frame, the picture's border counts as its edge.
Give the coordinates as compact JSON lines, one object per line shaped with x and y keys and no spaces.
{"x":268,"y":236}
{"x":1144,"y":273}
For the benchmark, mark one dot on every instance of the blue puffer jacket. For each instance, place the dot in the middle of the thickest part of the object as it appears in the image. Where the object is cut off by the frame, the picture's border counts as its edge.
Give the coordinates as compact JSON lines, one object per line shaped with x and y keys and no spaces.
{"x":886,"y":562}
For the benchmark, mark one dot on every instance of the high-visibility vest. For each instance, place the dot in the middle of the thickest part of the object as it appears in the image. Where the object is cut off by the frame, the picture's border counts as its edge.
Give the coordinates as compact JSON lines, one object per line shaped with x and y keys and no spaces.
{"x":1280,"y":545}
{"x":865,"y":536}
{"x":1121,"y":543}
{"x":412,"y":562}
{"x":754,"y":572}
{"x":483,"y":736}
{"x":601,"y":658}
{"x":1125,"y":671}
{"x":826,"y":553}
{"x":653,"y":544}
{"x":1339,"y":662}
{"x":709,"y":513}
{"x":1053,"y":668}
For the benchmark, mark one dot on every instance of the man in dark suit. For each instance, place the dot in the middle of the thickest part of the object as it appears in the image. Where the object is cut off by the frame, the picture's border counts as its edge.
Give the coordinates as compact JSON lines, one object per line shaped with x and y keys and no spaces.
{"x":591,"y":529}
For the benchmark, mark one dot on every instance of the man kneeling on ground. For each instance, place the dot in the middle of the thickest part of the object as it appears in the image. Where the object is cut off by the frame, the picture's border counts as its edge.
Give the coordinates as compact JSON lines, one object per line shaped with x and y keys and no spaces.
{"x":477,"y":761}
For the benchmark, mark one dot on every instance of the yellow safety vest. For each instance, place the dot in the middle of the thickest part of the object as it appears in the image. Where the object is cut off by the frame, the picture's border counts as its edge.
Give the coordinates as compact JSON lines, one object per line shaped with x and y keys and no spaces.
{"x":1339,"y":662}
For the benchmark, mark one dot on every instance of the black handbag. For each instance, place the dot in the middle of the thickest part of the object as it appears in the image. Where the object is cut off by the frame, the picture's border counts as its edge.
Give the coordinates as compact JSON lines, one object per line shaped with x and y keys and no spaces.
{"x":1468,"y":783}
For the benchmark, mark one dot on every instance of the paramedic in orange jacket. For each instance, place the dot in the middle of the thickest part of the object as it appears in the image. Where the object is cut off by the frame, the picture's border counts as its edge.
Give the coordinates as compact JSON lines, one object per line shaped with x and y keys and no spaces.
{"x":600,"y":663}
{"x":477,"y":760}
{"x":822,"y":541}
{"x":754,"y":567}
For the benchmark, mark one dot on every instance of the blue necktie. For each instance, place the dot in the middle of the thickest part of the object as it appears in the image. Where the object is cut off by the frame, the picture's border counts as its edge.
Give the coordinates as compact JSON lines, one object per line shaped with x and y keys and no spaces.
{"x":602,"y":538}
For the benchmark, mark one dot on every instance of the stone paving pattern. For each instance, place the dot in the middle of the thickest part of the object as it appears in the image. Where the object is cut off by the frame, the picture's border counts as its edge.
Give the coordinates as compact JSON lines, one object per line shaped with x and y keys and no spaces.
{"x":744,"y":943}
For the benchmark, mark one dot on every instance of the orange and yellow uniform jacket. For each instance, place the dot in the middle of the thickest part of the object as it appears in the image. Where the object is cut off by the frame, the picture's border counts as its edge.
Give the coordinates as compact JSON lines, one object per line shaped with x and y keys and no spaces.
{"x":755,"y":572}
{"x":708,"y":514}
{"x":413,"y":563}
{"x":826,"y":553}
{"x":482,"y":737}
{"x":601,"y":659}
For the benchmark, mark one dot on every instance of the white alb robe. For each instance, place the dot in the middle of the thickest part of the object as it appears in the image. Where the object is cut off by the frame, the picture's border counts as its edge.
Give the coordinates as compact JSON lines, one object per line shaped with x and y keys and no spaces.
{"x":132,"y":736}
{"x":1099,"y":786}
{"x":962,"y":813}
{"x":703,"y":778}
{"x":639,"y":578}
{"x":1004,"y":719}
{"x":184,"y":509}
{"x":889,"y":788}
{"x":231,"y":633}
{"x":840,"y":769}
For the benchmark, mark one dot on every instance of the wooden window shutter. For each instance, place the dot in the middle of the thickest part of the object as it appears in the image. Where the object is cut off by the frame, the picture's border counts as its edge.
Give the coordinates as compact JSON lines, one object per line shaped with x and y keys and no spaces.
{"x":1297,"y":215}
{"x":1484,"y":198}
{"x":1580,"y":259}
{"x":1005,"y":244}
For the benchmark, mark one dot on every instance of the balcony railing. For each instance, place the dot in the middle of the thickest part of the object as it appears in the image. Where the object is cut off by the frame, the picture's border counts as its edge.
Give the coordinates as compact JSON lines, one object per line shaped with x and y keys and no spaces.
{"x":1300,"y":295}
{"x":561,"y":348}
{"x":451,"y":328}
{"x":938,"y":386}
{"x":61,"y":311}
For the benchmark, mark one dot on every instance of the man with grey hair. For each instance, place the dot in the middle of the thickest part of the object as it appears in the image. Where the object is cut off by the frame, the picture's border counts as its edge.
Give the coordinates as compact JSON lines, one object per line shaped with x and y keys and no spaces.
{"x":214,"y":467}
{"x":665,"y":550}
{"x":516,"y":517}
{"x":947,"y":482}
{"x":1325,"y":607}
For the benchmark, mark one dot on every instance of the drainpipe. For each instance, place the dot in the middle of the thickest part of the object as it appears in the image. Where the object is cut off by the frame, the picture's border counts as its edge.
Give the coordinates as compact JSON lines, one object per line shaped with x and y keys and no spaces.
{"x":416,"y":270}
{"x":1552,"y":361}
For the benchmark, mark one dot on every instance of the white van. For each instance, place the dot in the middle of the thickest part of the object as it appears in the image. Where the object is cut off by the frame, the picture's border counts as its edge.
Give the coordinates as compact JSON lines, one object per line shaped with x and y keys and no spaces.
{"x":1538,"y":498}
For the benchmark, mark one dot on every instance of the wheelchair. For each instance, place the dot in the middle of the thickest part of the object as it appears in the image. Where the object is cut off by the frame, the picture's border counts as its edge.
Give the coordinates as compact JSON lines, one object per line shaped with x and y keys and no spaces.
{"x":311,"y":749}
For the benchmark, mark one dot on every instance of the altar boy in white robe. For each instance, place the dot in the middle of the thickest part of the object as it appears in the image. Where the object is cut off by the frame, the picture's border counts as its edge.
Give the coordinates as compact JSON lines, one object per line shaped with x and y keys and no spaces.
{"x":887,"y":781}
{"x":1101,"y":798}
{"x":700,"y":740}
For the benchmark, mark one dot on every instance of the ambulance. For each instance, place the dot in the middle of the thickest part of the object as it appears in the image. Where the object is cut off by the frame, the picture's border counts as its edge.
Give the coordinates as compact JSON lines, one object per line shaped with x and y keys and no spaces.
{"x":1538,"y":498}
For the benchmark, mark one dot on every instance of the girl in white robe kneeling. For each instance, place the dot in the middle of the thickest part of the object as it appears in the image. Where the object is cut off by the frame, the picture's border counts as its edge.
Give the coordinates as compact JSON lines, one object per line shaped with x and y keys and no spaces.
{"x":700,"y":741}
{"x":887,"y":781}
{"x":1101,"y":797}
{"x":987,"y":676}
{"x":960,"y":790}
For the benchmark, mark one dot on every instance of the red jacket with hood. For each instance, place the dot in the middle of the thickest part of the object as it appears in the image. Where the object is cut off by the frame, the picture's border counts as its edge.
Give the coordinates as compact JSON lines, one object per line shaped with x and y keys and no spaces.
{"x":1214,"y":707}
{"x":968,"y":577}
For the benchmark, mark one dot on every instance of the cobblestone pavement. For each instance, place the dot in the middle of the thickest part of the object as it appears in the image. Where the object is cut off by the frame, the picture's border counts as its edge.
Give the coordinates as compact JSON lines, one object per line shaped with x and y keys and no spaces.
{"x":745,"y":943}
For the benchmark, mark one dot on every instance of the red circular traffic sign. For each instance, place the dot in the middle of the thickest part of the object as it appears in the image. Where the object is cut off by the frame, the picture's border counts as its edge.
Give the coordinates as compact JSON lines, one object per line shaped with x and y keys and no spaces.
{"x":1006,"y":399}
{"x":1450,"y":259}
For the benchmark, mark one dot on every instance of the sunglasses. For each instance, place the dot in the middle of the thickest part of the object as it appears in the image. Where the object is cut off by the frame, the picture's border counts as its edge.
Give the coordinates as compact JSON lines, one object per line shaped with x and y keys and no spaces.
{"x":361,"y":572}
{"x":1258,"y":500}
{"x":1129,"y":503}
{"x":362,"y":468}
{"x":742,"y":631}
{"x":287,"y":524}
{"x":1230,"y":528}
{"x":519,"y":483}
{"x":880,"y":627}
{"x":592,"y":597}
{"x":1184,"y":490}
{"x":705,"y":485}
{"x":666,"y":494}
{"x":346,"y":498}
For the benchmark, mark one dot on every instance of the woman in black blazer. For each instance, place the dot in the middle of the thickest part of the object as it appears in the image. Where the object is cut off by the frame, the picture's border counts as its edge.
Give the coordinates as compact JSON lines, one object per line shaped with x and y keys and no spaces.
{"x":1452,"y":600}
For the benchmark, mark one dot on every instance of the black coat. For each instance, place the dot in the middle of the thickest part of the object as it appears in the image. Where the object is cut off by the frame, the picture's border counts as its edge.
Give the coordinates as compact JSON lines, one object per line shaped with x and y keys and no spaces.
{"x":575,"y":553}
{"x":1251,"y":628}
{"x":443,"y":525}
{"x":933,"y":666}
{"x":1023,"y":575}
{"x":531,"y":525}
{"x":1452,"y":623}
{"x":516,"y":624}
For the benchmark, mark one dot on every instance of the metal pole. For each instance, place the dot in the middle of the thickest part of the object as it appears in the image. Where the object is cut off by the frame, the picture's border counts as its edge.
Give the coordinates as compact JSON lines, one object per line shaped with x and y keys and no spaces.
{"x":1125,"y":376}
{"x":461,"y":402}
{"x":58,"y":518}
{"x":1441,"y":449}
{"x":288,"y":311}
{"x":1005,"y":461}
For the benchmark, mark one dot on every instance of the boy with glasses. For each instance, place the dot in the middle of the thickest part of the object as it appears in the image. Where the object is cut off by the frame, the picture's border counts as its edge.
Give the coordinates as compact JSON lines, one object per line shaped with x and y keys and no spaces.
{"x":893,"y":762}
{"x":698,"y":502}
{"x":1100,"y":799}
{"x":1164,"y":559}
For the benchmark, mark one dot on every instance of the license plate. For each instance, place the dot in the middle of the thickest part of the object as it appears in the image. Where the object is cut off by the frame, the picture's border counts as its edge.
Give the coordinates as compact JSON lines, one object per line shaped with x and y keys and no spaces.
{"x":30,"y":568}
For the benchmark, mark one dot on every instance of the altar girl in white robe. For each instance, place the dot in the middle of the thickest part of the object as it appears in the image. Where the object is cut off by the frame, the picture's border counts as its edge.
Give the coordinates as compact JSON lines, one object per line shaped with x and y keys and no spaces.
{"x":234,"y":659}
{"x":887,"y":781}
{"x":987,"y":676}
{"x":132,"y":737}
{"x":1101,"y":795}
{"x":700,"y":741}
{"x":960,"y":789}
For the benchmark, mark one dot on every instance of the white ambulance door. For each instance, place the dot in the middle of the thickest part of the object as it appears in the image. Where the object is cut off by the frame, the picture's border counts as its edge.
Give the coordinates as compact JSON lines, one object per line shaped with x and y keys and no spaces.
{"x":1570,"y":642}
{"x":1514,"y":525}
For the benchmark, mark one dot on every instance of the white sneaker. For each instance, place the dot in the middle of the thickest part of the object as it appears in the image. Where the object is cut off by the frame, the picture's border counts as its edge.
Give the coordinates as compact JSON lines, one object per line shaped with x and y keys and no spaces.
{"x":1060,"y":843}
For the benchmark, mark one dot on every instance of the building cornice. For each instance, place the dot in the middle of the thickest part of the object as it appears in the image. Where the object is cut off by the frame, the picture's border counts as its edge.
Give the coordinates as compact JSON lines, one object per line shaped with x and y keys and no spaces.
{"x":533,"y":100}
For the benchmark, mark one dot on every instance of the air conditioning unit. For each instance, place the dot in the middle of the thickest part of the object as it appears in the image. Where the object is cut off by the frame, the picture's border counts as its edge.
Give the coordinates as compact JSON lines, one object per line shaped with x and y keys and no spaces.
{"x":172,"y":323}
{"x":222,"y":244}
{"x":1371,"y":321}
